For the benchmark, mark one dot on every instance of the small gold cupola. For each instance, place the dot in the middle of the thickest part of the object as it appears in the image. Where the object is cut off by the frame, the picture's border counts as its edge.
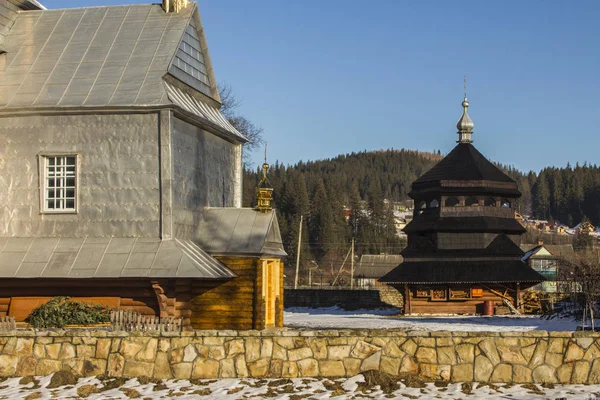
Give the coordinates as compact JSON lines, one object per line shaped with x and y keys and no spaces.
{"x":465,"y":123}
{"x":264,"y":191}
{"x":174,"y":5}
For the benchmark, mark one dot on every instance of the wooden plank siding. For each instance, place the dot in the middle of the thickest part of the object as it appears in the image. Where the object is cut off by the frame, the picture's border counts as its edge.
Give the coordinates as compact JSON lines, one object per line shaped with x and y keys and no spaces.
{"x":228,"y":305}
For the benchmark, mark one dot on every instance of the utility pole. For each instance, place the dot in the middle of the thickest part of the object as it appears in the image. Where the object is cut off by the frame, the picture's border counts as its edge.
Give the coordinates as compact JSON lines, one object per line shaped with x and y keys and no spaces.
{"x":298,"y":255}
{"x":352,"y":267}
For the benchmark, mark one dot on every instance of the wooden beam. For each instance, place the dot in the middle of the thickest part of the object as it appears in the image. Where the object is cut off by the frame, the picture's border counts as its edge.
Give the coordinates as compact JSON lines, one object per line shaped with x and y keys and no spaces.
{"x":407,"y":301}
{"x":161,"y":299}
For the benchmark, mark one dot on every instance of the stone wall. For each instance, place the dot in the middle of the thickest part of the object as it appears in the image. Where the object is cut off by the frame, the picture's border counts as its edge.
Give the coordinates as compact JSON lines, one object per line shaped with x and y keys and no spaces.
{"x":538,"y":356}
{"x":385,"y":296}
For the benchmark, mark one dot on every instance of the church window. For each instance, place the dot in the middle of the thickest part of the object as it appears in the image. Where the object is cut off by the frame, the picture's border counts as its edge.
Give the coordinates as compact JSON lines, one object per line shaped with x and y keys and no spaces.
{"x":438,"y":294}
{"x":422,"y":205}
{"x":506,"y":203}
{"x":490,"y":202}
{"x":471,"y":201}
{"x":451,"y":202}
{"x":59,"y":184}
{"x":434,"y":204}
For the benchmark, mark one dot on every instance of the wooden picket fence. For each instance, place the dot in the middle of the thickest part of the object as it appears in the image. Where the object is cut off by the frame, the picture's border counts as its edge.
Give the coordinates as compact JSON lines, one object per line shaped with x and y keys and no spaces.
{"x":7,"y":324}
{"x":130,"y":321}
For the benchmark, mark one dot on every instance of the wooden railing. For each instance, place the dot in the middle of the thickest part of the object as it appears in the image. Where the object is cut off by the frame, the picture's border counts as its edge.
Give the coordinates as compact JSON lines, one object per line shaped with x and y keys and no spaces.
{"x":130,"y":321}
{"x":7,"y":324}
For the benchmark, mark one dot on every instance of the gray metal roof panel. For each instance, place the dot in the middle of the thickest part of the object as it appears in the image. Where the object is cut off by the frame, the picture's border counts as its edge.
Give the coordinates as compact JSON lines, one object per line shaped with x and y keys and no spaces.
{"x":45,"y":42}
{"x":239,"y":231}
{"x":107,"y":258}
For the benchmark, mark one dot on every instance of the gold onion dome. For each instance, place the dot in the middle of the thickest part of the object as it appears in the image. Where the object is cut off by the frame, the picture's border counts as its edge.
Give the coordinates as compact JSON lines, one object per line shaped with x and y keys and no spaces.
{"x":465,"y":125}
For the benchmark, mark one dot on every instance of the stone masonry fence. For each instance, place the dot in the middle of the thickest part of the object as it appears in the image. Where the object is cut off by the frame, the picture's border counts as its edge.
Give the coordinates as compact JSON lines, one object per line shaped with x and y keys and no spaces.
{"x":513,"y":357}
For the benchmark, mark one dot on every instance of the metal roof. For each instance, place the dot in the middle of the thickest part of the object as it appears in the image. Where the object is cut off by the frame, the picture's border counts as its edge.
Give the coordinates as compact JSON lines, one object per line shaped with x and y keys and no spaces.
{"x":557,"y":250}
{"x":104,"y":57}
{"x":107,"y":258}
{"x":28,"y":4}
{"x":240,"y":231}
{"x":376,"y":266}
{"x":191,"y":104}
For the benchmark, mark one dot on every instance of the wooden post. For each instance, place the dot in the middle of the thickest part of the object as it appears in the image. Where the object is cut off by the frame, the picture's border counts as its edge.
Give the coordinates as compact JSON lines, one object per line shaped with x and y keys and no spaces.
{"x":298,"y":255}
{"x":518,"y":305}
{"x":407,"y":305}
{"x":352,"y":267}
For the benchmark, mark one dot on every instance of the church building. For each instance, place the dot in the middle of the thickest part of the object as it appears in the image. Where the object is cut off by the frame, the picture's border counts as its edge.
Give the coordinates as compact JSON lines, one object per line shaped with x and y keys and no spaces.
{"x":121,"y":180}
{"x":463,"y":242}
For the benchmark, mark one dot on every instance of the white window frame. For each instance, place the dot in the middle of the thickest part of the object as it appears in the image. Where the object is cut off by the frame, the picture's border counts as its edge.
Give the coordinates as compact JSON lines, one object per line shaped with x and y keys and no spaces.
{"x":44,"y":177}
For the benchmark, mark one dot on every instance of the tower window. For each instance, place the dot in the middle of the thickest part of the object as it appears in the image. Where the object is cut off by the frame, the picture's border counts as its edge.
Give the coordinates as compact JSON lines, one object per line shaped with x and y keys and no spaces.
{"x":451,"y":202}
{"x":471,"y":201}
{"x":59,"y":191}
{"x":434,"y":204}
{"x":490,"y":202}
{"x":506,"y":203}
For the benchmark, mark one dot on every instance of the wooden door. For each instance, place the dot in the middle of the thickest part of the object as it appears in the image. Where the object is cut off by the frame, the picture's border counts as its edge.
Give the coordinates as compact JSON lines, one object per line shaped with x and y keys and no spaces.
{"x":270,"y":290}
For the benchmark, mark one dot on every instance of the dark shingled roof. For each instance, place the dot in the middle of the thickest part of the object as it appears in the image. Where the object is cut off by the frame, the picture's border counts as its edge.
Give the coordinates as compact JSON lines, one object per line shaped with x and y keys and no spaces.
{"x":500,"y":246}
{"x":425,"y":223}
{"x":464,"y":163}
{"x":434,"y":272}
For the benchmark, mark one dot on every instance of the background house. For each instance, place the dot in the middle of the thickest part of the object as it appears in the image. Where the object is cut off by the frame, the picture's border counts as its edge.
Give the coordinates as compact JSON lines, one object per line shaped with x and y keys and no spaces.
{"x":371,"y":267}
{"x":545,"y":259}
{"x":115,"y":158}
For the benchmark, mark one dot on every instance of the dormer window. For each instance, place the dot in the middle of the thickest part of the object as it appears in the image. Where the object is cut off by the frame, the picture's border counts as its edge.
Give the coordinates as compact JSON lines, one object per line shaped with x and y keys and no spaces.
{"x":59,"y":183}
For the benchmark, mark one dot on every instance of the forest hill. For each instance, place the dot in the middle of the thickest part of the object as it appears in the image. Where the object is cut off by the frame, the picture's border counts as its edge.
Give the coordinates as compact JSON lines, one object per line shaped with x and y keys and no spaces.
{"x":320,"y":190}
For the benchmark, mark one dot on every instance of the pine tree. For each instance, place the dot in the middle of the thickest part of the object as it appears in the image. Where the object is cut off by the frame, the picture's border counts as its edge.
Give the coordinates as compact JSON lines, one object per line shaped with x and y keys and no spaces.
{"x":320,"y":225}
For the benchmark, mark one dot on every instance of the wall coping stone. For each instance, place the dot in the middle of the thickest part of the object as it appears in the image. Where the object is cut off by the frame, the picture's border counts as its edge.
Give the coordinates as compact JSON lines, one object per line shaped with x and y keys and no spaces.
{"x":286,"y":332}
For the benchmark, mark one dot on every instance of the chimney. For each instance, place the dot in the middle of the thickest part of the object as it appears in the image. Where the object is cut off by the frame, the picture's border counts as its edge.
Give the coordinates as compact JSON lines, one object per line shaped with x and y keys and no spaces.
{"x":540,"y":242}
{"x":174,"y":5}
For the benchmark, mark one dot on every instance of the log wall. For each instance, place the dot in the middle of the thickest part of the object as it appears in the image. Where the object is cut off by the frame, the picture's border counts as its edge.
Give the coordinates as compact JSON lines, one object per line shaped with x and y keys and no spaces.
{"x":4,"y":306}
{"x":21,"y":296}
{"x":227,"y":305}
{"x":474,"y":305}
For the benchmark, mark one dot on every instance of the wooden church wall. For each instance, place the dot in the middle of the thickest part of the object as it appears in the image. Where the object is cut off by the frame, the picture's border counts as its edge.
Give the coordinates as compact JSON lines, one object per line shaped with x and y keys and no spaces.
{"x":473,"y":305}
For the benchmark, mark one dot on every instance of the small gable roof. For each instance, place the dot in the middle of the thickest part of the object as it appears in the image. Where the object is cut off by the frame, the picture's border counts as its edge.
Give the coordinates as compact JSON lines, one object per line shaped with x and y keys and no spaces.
{"x":556,"y":250}
{"x":240,"y":231}
{"x":107,"y":258}
{"x":111,"y":56}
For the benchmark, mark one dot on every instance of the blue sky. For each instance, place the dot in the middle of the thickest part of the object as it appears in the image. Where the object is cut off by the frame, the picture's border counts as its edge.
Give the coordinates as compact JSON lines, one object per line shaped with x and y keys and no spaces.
{"x":329,"y":77}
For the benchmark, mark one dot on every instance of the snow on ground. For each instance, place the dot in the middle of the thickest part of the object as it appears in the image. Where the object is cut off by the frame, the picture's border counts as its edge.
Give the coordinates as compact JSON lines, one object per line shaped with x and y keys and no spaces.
{"x":292,"y":389}
{"x":334,"y":318}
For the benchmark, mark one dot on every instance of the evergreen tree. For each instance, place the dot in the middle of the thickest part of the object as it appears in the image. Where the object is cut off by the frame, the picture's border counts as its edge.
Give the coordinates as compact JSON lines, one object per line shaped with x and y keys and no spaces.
{"x":320,"y":225}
